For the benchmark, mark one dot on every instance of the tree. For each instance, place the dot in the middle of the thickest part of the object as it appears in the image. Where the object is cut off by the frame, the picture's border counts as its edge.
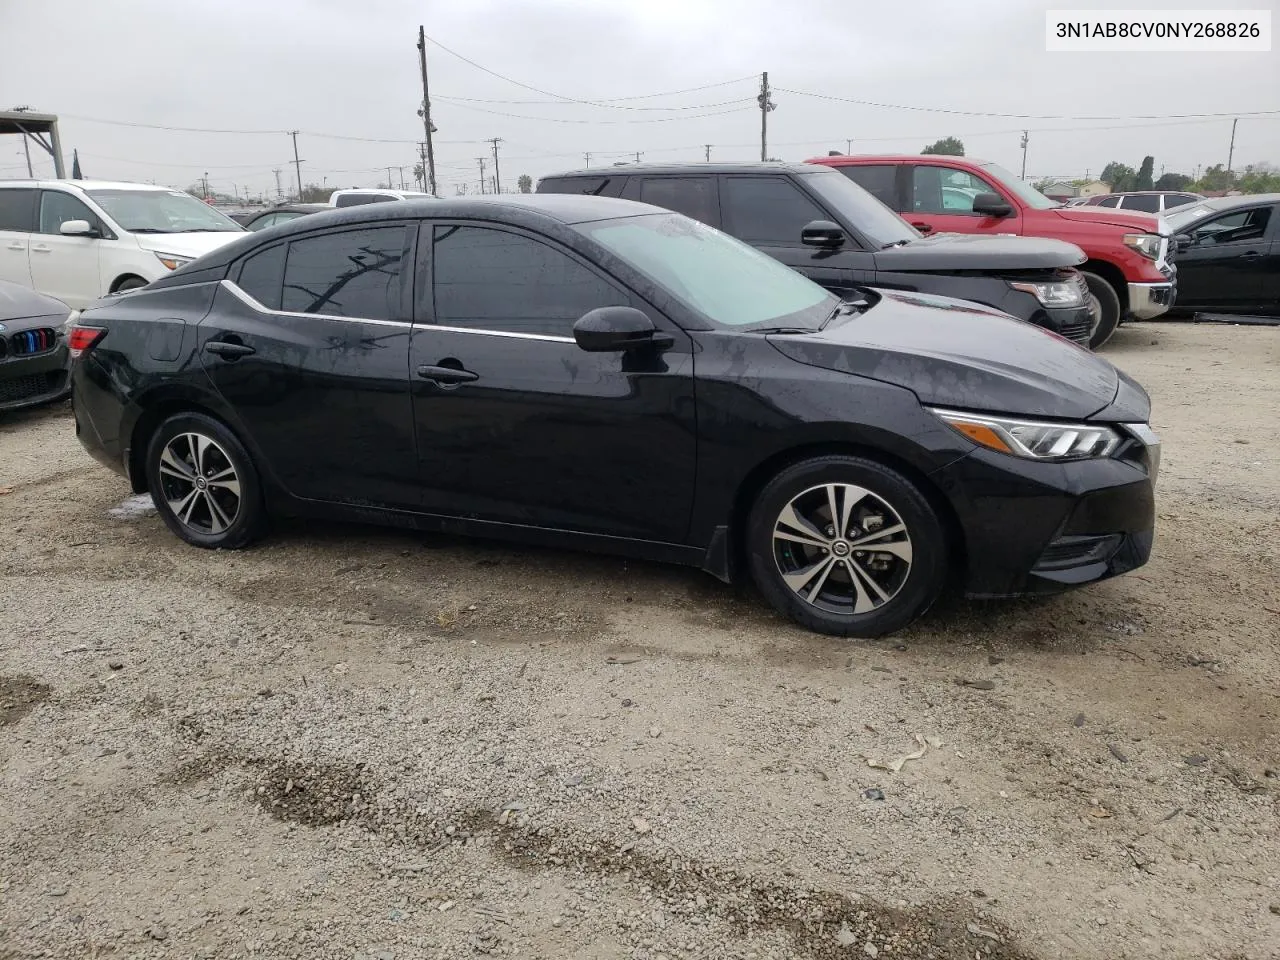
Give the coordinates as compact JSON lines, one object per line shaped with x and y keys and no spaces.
{"x":1259,"y":179}
{"x":1172,"y":181}
{"x":1216,"y":177}
{"x":1118,"y":176}
{"x":947,"y":147}
{"x":1143,"y":180}
{"x":314,"y":193}
{"x":420,"y":175}
{"x":525,"y":183}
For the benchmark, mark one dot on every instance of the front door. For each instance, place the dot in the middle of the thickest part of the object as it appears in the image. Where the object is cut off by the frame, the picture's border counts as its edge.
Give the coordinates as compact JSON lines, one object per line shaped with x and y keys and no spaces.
{"x":1225,"y":265}
{"x":17,"y":220}
{"x":515,"y":423}
{"x":940,"y":200}
{"x":66,"y":267}
{"x":309,"y":345}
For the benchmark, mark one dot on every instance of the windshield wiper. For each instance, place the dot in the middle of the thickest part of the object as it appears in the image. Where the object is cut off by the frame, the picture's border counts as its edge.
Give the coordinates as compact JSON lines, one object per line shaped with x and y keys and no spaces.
{"x":896,"y":243}
{"x":207,"y":230}
{"x":783,"y":330}
{"x":147,"y":230}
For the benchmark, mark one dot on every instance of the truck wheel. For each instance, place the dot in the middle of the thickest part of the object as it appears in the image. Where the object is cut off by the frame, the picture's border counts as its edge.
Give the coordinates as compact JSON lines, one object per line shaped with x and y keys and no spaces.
{"x":1104,"y":304}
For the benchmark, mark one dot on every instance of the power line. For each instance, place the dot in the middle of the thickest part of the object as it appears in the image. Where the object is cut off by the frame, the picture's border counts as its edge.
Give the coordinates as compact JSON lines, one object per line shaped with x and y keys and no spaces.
{"x":569,"y":103}
{"x":518,"y":116}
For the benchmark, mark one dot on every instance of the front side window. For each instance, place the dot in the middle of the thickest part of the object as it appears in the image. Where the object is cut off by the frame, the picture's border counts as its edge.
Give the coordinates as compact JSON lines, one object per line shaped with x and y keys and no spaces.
{"x":488,"y":279}
{"x":724,"y":280}
{"x":355,"y":273}
{"x":57,"y":208}
{"x":1237,"y":226}
{"x":944,"y":190}
{"x":693,"y":196}
{"x":767,"y":209}
{"x":162,"y":211}
{"x":17,"y":210}
{"x":1024,"y":191}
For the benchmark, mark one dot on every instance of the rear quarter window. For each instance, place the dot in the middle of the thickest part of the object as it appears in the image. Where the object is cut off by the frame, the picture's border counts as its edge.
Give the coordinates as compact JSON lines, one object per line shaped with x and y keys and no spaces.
{"x":878,"y":179}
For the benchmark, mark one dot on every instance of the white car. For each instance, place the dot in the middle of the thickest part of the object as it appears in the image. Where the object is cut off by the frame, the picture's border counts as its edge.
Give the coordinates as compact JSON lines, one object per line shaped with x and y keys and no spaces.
{"x":354,"y":196}
{"x":79,"y":240}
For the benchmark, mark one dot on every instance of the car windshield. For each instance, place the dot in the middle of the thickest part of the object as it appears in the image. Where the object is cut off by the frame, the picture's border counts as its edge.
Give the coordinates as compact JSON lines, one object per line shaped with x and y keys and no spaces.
{"x":881,"y":225}
{"x":1024,"y":191}
{"x":723,"y":279}
{"x":1184,"y":215}
{"x":162,"y":211}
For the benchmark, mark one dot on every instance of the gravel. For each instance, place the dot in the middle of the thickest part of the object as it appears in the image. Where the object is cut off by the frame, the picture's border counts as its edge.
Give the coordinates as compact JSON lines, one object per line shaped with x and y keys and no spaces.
{"x":353,"y":742}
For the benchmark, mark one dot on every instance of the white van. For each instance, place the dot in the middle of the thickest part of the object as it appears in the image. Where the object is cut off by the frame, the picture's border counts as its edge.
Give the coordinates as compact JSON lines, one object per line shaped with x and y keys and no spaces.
{"x":355,"y":196}
{"x":79,"y":240}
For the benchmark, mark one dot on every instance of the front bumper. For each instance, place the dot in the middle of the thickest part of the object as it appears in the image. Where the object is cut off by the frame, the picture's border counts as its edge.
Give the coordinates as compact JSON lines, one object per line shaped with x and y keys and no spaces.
{"x":1148,"y":300}
{"x":28,"y":381}
{"x":1074,"y":323}
{"x":1032,"y":527}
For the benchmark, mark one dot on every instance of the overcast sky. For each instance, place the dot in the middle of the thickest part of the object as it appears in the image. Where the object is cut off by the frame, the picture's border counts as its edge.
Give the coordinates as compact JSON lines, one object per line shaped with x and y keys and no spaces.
{"x":347,"y":68}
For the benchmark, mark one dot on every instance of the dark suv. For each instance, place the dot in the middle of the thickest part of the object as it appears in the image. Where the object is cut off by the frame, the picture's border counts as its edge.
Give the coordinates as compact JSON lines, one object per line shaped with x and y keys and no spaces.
{"x":834,"y":232}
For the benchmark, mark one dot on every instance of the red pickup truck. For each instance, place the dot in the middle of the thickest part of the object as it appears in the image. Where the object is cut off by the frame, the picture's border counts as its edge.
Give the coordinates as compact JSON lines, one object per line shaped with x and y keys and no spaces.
{"x":1129,"y":271}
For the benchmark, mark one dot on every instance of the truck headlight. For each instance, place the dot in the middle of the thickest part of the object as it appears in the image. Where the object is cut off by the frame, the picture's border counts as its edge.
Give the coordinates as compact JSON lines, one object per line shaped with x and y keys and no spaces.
{"x":1033,"y":439}
{"x":1053,"y":293}
{"x":1147,"y":244}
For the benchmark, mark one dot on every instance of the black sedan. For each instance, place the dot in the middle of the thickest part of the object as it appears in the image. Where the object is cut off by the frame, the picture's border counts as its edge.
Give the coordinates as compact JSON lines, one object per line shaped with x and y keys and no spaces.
{"x":602,"y":374}
{"x":1228,"y":255}
{"x":281,"y":214}
{"x":33,"y":352}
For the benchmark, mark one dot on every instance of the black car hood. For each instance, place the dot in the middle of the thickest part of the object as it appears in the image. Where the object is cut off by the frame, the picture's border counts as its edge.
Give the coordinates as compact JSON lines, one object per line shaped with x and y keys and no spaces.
{"x":22,"y":303}
{"x":963,"y":251}
{"x":952,"y":353}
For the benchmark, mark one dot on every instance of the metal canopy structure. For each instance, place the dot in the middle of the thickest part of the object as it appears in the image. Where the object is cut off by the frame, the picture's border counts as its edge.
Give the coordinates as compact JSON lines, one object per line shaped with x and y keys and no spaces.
{"x":38,"y":128}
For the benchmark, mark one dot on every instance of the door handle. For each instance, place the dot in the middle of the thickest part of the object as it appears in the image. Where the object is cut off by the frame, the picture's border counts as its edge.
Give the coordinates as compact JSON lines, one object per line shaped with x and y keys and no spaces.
{"x":17,"y":245}
{"x":40,"y":248}
{"x":228,"y":351}
{"x":447,"y":376}
{"x":1250,"y":255}
{"x":922,"y":227}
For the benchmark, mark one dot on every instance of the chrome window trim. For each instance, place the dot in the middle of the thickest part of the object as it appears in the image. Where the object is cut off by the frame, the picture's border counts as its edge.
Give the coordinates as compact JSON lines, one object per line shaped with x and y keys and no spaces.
{"x":499,"y":333}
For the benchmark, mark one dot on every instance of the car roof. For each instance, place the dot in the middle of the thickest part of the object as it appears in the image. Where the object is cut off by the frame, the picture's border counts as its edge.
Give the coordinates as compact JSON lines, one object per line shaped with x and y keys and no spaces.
{"x":1226,"y":203}
{"x":690,"y":167}
{"x":844,"y":158}
{"x":89,"y":185}
{"x":1157,"y":193}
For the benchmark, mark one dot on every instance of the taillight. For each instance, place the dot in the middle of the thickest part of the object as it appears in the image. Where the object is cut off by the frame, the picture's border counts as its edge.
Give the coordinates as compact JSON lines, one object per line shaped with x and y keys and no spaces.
{"x":80,"y":339}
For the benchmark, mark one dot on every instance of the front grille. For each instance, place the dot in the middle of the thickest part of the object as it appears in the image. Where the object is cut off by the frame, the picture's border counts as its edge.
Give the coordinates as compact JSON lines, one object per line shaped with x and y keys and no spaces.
{"x":34,"y":385}
{"x":1079,"y":332}
{"x":4,"y":348}
{"x":30,"y":342}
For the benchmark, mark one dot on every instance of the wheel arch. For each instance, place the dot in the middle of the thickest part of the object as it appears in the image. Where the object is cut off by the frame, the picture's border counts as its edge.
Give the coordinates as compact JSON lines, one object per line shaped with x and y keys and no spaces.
{"x":1113,"y":275}
{"x":120,"y":280}
{"x":153,"y":410}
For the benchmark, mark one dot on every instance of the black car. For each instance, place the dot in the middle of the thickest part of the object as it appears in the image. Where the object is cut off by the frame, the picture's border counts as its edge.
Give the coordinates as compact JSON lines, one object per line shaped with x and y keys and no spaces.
{"x":1229,"y":255}
{"x":833,"y":231}
{"x":602,"y":374}
{"x":281,"y":214}
{"x":33,"y":351}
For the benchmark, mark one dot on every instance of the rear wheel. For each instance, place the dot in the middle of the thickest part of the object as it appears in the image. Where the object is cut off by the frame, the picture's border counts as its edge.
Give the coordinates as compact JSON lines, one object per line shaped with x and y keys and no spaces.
{"x":846,"y":546}
{"x":1104,"y":305}
{"x":203,"y":482}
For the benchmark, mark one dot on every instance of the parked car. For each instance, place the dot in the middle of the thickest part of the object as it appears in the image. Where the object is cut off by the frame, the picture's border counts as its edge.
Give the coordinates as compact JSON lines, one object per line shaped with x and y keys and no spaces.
{"x":1129,"y":271}
{"x":33,"y":350}
{"x":1146,"y":201}
{"x":840,"y":236}
{"x":355,"y":196}
{"x":1229,"y":255}
{"x":78,"y":240}
{"x":282,"y":214}
{"x":524,"y":367}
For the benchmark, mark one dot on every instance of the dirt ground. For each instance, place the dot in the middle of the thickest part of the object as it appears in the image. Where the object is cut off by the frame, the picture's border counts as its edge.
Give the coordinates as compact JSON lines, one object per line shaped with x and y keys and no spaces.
{"x":360,"y":743}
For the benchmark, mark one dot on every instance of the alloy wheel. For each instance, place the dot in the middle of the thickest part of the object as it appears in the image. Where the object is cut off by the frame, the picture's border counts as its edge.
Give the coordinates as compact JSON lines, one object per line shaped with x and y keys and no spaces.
{"x":842,"y":548}
{"x":199,"y":483}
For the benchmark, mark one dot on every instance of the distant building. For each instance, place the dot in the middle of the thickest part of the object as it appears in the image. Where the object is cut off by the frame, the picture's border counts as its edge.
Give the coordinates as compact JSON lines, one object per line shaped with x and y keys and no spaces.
{"x":1062,"y":190}
{"x":1094,"y":188}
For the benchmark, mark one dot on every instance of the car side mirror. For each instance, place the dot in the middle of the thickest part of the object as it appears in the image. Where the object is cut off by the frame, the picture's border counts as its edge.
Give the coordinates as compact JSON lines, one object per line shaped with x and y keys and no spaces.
{"x":991,"y":205}
{"x":618,"y":329}
{"x":1182,"y":242}
{"x":78,"y":228}
{"x":822,"y":233}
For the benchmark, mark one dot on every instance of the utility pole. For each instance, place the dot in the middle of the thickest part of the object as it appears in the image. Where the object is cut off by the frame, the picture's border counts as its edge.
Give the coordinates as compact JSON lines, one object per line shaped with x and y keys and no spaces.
{"x":403,"y":185}
{"x":297,"y":164}
{"x":205,"y":180}
{"x":279,"y":190}
{"x":1026,"y":138}
{"x":848,"y":146}
{"x":497,"y":180}
{"x":26,"y":147}
{"x":480,"y":160}
{"x":587,"y":157}
{"x":638,"y":156}
{"x":765,"y":106}
{"x":1231,"y":151}
{"x":426,"y":112}
{"x":708,"y":149}
{"x":422,"y":157}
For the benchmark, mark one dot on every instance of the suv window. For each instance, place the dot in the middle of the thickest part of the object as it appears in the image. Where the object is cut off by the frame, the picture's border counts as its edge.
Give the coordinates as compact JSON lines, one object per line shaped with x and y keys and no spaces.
{"x":1109,"y":202}
{"x":766,"y":209}
{"x":593,"y":186}
{"x":878,"y":179}
{"x":693,"y":196}
{"x":1145,"y":202}
{"x":1234,"y":227}
{"x":488,"y":279}
{"x":1172,"y":200}
{"x":355,"y":273}
{"x":261,"y":275}
{"x":56,"y":208}
{"x":943,"y":190}
{"x":17,"y":210}
{"x":356,"y":199}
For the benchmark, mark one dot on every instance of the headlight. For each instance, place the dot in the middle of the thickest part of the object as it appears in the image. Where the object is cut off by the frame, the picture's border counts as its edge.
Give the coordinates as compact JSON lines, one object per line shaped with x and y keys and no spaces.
{"x":173,"y":261}
{"x":1055,"y":293}
{"x":1033,"y":439}
{"x":1147,"y":244}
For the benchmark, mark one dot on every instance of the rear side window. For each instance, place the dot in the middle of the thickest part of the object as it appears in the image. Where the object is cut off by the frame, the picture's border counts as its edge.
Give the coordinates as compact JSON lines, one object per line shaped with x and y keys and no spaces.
{"x":591,"y":186}
{"x":261,"y":275}
{"x":766,"y":209}
{"x":695,"y":197}
{"x":17,"y":210}
{"x":1146,"y":202}
{"x":357,"y":199}
{"x":1179,"y":199}
{"x":1109,"y":202}
{"x":355,"y":273}
{"x":878,"y":179}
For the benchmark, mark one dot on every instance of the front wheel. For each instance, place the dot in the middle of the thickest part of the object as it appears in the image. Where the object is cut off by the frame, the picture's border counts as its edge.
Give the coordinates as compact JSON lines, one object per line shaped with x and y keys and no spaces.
{"x":1104,"y":306}
{"x":204,"y":483}
{"x":846,"y":546}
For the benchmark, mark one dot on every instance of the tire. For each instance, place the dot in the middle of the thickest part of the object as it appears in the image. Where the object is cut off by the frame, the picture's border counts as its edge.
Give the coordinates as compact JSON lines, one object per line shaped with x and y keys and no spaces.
{"x":129,"y":283}
{"x":1105,"y":304}
{"x":889,"y":589}
{"x":221,"y":507}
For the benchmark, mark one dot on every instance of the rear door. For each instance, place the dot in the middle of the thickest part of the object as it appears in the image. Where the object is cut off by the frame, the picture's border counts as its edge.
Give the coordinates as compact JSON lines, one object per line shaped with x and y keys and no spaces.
{"x":68,"y":268}
{"x":941,"y":200}
{"x":1230,"y":263}
{"x":308,"y":342}
{"x":17,"y":220}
